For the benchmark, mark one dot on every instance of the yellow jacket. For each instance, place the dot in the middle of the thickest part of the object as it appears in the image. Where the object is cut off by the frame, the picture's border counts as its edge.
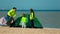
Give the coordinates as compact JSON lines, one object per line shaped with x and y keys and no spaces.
{"x":31,"y":16}
{"x":24,"y":20}
{"x":12,"y":13}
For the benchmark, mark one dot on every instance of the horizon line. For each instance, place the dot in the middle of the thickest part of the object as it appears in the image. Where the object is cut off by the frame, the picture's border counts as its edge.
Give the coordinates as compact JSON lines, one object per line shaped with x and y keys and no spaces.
{"x":34,"y":10}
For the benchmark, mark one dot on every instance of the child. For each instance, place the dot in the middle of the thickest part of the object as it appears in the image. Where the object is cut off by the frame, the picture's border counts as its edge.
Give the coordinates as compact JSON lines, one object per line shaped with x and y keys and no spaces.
{"x":23,"y":21}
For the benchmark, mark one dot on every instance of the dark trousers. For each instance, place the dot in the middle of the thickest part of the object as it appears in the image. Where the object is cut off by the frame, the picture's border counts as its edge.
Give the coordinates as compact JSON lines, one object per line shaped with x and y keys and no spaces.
{"x":32,"y":23}
{"x":9,"y":21}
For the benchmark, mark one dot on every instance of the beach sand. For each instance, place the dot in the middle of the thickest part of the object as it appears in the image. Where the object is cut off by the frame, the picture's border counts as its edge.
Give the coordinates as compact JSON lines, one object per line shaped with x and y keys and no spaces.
{"x":8,"y":30}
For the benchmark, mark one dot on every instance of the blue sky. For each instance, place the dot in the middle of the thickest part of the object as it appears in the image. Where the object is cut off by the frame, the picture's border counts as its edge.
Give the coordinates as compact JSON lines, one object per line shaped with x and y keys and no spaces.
{"x":27,"y":4}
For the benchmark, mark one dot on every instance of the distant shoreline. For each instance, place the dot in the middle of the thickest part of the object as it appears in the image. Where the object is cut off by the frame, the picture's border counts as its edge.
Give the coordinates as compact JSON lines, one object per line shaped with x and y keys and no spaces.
{"x":37,"y":10}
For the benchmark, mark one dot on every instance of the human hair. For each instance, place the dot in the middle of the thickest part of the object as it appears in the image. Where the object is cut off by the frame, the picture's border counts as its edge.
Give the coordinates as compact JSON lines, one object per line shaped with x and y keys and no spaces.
{"x":32,"y":11}
{"x":14,"y":7}
{"x":23,"y":14}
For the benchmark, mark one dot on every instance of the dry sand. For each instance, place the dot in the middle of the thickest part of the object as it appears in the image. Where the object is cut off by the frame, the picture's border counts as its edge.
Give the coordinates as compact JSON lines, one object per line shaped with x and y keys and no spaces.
{"x":8,"y":30}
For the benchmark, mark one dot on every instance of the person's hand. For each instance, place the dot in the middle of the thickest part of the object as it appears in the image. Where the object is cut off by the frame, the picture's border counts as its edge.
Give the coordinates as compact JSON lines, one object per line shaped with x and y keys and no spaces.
{"x":12,"y":21}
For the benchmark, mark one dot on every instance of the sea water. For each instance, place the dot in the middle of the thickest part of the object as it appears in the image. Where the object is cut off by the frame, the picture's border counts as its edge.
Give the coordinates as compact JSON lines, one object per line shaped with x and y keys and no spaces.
{"x":49,"y":19}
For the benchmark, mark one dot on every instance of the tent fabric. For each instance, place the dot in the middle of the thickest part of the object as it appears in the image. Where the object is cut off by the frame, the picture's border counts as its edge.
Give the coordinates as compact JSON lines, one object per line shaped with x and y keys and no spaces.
{"x":37,"y":24}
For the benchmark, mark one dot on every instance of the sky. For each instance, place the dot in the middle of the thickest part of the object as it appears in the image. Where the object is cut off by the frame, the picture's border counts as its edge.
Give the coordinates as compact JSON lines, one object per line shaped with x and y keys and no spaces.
{"x":27,"y":4}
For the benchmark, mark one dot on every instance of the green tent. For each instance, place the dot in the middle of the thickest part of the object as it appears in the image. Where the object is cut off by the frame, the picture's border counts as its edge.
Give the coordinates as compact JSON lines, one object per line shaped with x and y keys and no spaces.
{"x":37,"y":24}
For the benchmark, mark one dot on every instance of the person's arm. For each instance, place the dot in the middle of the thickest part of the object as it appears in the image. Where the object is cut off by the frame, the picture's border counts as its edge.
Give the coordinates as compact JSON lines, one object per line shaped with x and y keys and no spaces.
{"x":14,"y":15}
{"x":10,"y":13}
{"x":32,"y":15}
